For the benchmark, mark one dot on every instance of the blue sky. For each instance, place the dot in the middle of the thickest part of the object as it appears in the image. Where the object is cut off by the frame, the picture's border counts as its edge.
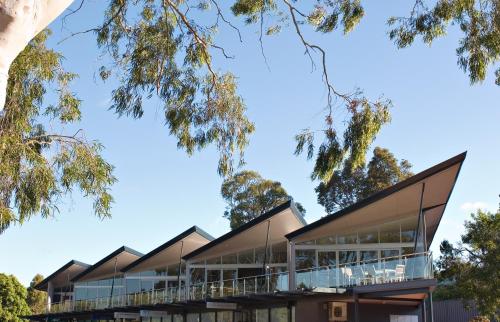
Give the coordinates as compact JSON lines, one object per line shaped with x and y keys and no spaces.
{"x":161,"y":191}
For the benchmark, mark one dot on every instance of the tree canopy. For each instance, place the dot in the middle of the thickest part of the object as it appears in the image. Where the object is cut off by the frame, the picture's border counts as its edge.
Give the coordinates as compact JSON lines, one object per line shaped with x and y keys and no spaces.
{"x":248,"y":196}
{"x":350,"y":184}
{"x":469,"y":270}
{"x":39,"y":161}
{"x":12,"y":299}
{"x":37,"y":300}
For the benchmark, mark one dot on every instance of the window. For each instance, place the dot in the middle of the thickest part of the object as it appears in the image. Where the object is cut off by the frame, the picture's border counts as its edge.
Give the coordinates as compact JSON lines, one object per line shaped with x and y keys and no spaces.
{"x":259,"y":255}
{"x":173,"y":270}
{"x":390,"y":233}
{"x":368,"y":256}
{"x":213,"y":275}
{"x":146,"y":286}
{"x":304,"y":258}
{"x":214,"y":261}
{"x":246,"y":257}
{"x":327,"y":259}
{"x":193,"y":317}
{"x":368,"y":237}
{"x":348,"y":239}
{"x":225,"y":316}
{"x":347,"y":257}
{"x":229,"y":259}
{"x":197,"y":275}
{"x":279,"y":253}
{"x":261,"y":315}
{"x":133,"y":285}
{"x":279,"y":314}
{"x":159,"y":285}
{"x":329,"y":240}
{"x":208,"y":317}
{"x":177,"y":318}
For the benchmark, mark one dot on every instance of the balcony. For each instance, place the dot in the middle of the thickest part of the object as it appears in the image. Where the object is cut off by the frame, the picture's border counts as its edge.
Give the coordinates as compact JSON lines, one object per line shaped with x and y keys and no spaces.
{"x":327,"y":279}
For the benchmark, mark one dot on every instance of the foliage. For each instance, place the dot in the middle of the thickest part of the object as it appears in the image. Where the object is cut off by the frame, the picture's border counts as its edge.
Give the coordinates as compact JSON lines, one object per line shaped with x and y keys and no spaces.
{"x":470,"y":270}
{"x":479,"y":21}
{"x":12,"y":299}
{"x":37,"y":300}
{"x":350,"y":184}
{"x":248,"y":196}
{"x":38,"y":166}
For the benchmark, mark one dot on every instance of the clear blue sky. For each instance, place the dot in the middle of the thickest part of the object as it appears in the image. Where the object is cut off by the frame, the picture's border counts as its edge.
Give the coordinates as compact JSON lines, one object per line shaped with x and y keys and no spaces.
{"x":161,"y":191}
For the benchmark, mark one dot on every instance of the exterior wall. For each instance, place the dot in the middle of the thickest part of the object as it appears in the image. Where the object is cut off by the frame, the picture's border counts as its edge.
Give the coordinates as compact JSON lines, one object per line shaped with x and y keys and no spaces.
{"x":453,"y":311}
{"x":314,"y":310}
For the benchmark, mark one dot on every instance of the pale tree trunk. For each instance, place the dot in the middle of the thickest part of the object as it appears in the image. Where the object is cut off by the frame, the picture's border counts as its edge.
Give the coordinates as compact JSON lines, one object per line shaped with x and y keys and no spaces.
{"x":20,"y":21}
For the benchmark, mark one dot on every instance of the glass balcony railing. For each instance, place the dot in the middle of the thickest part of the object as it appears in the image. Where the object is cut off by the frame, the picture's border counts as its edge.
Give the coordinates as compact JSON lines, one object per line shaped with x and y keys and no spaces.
{"x":338,"y":278}
{"x":376,"y":271}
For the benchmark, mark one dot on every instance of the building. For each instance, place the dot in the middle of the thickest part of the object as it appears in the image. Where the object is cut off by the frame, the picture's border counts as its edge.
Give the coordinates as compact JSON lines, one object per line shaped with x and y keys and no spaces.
{"x":367,"y":262}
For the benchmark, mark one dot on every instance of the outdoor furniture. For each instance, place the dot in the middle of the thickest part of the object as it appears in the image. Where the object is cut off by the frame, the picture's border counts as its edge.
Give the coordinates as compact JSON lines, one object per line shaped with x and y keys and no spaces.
{"x":399,"y":273}
{"x":378,"y":276}
{"x":360,"y":276}
{"x":347,"y":273}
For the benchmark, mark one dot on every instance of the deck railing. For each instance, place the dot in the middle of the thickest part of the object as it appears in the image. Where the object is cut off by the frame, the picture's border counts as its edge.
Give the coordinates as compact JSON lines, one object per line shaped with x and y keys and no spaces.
{"x":334,"y":278}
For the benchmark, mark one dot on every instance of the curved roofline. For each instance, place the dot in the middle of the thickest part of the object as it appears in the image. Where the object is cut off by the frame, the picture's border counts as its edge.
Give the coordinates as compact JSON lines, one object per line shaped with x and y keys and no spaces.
{"x":63,"y":268}
{"x":105,"y":259}
{"x":194,"y":229}
{"x":287,"y":204}
{"x":384,"y":193}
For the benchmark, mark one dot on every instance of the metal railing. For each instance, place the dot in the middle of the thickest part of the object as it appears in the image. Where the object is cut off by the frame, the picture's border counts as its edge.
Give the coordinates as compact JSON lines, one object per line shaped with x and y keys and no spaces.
{"x":261,"y":284}
{"x":377,"y":271}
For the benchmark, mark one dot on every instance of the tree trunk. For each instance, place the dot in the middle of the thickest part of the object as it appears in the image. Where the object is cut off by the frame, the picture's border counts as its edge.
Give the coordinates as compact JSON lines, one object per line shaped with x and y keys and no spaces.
{"x":20,"y":21}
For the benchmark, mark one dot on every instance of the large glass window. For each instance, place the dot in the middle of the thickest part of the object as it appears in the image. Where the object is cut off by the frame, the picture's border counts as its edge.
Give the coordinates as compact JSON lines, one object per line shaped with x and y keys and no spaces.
{"x":279,"y":314}
{"x":304,"y":258}
{"x":259,"y":255}
{"x":347,"y":239}
{"x":214,"y":261}
{"x":368,"y":256}
{"x":261,"y":315}
{"x":177,"y":318}
{"x":246,"y":257}
{"x":329,"y":240}
{"x":213,"y":275}
{"x":347,"y":257}
{"x":229,"y":259}
{"x":208,"y":317}
{"x":368,"y":237}
{"x":327,"y":258}
{"x":225,"y":316}
{"x":279,"y":253}
{"x":133,"y":285}
{"x":197,"y":275}
{"x":193,"y":317}
{"x":390,"y":233}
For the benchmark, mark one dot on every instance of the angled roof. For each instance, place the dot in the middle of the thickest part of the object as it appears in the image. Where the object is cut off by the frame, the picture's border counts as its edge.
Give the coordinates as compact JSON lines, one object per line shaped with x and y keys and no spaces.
{"x":63,"y":275}
{"x":106,"y":267}
{"x":405,"y":196}
{"x":171,"y":251}
{"x":292,"y":221}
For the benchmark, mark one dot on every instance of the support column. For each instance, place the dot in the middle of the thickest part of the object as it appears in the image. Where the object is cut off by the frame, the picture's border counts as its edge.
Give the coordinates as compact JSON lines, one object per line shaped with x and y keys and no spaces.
{"x":431,"y":307}
{"x":356,"y":307}
{"x":187,"y":281}
{"x":424,"y":312}
{"x":50,"y":295}
{"x":290,"y":250}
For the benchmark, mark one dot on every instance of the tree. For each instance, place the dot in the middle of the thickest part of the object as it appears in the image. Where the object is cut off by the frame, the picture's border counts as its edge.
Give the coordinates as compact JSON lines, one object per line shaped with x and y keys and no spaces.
{"x":470,"y":271}
{"x":37,"y":300}
{"x":248,"y":196}
{"x":39,"y":161}
{"x":12,"y":299}
{"x":349,"y":184}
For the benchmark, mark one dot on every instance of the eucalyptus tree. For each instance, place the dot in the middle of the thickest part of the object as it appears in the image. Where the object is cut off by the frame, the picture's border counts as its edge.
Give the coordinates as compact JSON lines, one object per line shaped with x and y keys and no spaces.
{"x":249,"y":195}
{"x":166,"y":49}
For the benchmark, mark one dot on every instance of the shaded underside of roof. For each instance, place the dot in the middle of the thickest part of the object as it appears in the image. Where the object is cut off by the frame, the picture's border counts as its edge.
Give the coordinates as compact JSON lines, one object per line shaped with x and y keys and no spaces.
{"x":171,"y":251}
{"x":282,"y":220}
{"x":63,"y":275}
{"x":430,"y":189}
{"x":109,"y":265}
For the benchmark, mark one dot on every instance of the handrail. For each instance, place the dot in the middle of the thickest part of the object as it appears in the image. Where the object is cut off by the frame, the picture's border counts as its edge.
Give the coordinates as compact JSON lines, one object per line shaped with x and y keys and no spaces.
{"x":265,"y":283}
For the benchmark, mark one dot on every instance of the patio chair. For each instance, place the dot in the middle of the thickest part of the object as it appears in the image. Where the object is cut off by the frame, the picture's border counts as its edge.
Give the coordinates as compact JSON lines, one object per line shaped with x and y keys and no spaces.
{"x":399,"y":275}
{"x":377,"y":276}
{"x":360,"y":276}
{"x":347,"y":274}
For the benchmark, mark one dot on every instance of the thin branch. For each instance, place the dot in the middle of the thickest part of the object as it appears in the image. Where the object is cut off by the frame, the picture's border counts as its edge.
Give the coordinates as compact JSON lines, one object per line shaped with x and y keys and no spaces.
{"x":221,"y":15}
